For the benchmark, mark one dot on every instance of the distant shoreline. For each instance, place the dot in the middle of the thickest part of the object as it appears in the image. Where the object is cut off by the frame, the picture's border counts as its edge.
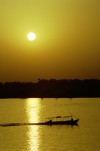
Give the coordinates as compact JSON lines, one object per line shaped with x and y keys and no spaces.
{"x":88,"y":88}
{"x":48,"y":97}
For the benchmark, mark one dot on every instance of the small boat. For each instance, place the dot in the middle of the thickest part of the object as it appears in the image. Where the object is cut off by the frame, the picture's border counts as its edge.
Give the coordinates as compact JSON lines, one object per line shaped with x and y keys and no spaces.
{"x":59,"y":120}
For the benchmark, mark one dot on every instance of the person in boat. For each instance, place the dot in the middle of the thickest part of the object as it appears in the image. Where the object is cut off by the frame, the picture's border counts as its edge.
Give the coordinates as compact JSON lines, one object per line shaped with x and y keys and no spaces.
{"x":71,"y":119}
{"x":50,"y":121}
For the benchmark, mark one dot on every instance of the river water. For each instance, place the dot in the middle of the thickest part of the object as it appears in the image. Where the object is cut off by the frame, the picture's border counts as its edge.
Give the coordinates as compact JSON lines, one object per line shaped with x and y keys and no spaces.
{"x":84,"y":137}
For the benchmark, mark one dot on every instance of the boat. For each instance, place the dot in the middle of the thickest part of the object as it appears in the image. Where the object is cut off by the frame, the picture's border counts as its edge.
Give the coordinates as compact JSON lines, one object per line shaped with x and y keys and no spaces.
{"x":59,"y":120}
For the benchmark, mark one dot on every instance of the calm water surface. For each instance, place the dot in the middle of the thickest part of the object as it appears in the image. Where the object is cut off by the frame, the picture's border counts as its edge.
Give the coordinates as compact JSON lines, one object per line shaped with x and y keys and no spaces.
{"x":85,"y":137}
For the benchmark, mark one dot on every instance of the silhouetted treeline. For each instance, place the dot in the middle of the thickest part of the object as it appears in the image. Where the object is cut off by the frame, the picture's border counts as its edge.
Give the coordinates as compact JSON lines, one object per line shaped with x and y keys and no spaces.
{"x":52,"y":88}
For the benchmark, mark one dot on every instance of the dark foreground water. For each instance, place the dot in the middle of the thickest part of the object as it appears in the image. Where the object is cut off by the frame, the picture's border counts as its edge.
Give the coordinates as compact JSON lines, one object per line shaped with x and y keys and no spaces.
{"x":85,"y":137}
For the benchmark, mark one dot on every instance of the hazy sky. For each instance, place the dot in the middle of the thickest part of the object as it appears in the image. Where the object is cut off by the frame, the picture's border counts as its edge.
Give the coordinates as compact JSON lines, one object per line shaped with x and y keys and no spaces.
{"x":67,"y":43}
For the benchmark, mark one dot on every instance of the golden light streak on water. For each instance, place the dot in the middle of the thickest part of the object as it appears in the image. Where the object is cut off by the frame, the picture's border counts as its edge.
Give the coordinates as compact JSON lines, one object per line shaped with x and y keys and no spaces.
{"x":32,"y":111}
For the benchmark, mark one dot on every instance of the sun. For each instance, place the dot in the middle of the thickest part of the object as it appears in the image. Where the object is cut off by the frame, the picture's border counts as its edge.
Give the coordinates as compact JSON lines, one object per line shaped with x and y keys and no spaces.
{"x":31,"y":36}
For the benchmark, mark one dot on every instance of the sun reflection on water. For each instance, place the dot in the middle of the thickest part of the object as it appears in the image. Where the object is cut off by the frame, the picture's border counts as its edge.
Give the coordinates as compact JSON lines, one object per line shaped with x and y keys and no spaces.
{"x":32,"y":109}
{"x":33,"y":112}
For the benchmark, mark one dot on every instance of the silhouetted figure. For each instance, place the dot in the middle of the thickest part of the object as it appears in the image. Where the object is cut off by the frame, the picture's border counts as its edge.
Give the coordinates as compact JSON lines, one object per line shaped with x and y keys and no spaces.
{"x":72,"y":120}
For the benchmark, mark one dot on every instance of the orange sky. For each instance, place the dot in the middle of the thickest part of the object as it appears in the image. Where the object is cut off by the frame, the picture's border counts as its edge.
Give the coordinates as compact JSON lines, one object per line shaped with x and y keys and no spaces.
{"x":67,"y":43}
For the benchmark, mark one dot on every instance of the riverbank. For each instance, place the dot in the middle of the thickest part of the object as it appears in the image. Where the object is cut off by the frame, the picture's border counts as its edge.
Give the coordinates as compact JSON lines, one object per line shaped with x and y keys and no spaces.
{"x":88,"y":88}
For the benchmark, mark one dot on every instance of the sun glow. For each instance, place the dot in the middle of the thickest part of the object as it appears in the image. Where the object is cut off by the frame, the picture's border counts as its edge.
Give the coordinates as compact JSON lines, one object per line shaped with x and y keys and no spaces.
{"x":31,"y":36}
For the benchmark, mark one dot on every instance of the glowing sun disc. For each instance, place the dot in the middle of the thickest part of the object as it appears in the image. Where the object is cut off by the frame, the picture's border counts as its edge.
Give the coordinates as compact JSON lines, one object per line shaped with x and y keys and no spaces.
{"x":31,"y":36}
